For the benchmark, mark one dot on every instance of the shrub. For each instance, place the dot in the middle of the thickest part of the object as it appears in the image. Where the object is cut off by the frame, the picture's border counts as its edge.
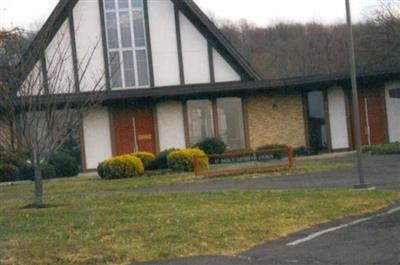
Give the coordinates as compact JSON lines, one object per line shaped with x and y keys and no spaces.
{"x":275,"y":154}
{"x":212,"y":146}
{"x":382,"y":149}
{"x":8,"y":173}
{"x":160,"y":162}
{"x":48,"y":171}
{"x":182,"y":160}
{"x":65,"y":165}
{"x":303,"y":151}
{"x":146,"y":158}
{"x":126,"y":166}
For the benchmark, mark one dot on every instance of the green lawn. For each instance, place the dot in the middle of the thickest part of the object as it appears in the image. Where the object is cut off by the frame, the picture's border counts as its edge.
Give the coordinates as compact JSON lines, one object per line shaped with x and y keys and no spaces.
{"x":94,"y":184}
{"x":115,"y":228}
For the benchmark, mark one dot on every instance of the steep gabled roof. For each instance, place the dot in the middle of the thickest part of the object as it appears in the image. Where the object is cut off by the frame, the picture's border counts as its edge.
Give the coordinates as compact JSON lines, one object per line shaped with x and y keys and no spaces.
{"x":188,"y":7}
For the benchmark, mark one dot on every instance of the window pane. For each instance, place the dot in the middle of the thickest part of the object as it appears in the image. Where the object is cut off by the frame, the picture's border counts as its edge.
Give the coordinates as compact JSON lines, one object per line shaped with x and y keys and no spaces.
{"x":123,"y":4}
{"x":110,"y":4}
{"x":125,"y":27}
{"x":316,"y":120}
{"x":137,"y":3}
{"x":138,"y":26}
{"x":201,"y":124}
{"x":115,"y":67}
{"x":129,"y":69}
{"x":230,"y":122}
{"x":143,"y":73}
{"x":112,"y":30}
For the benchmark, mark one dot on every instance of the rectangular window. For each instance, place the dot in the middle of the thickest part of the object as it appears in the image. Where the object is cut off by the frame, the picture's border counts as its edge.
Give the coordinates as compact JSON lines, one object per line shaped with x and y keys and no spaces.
{"x":126,"y":41}
{"x":129,"y":69}
{"x":112,"y":30}
{"x":316,"y":120}
{"x":200,"y":120}
{"x":115,"y":66}
{"x":126,"y":33}
{"x":230,"y":122}
{"x":229,"y":115}
{"x":141,"y":58}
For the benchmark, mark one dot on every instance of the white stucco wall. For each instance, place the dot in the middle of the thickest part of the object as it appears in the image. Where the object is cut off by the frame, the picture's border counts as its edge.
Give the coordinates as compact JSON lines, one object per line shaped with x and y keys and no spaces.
{"x":194,"y":53}
{"x":88,"y":41}
{"x":338,"y":118}
{"x":222,"y":70}
{"x":170,"y":125}
{"x":164,"y":46}
{"x":393,"y":112}
{"x":59,"y":62}
{"x":97,"y":137}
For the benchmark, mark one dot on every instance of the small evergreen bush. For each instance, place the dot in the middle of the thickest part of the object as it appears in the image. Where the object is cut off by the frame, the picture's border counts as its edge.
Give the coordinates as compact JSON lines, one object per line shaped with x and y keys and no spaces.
{"x":212,"y":146}
{"x":160,"y":162}
{"x":182,"y":160}
{"x":9,"y":173}
{"x":65,"y":165}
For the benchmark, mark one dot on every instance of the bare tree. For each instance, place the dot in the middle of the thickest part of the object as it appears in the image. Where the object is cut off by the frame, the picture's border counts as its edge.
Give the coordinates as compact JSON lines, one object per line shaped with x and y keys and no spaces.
{"x":45,"y":107}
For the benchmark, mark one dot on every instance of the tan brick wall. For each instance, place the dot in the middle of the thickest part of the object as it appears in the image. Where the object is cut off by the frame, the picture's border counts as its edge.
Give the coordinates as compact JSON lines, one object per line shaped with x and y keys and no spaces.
{"x":276,"y":119}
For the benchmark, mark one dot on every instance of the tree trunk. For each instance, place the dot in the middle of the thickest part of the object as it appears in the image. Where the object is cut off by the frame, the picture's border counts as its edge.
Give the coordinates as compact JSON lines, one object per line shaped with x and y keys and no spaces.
{"x":38,"y":200}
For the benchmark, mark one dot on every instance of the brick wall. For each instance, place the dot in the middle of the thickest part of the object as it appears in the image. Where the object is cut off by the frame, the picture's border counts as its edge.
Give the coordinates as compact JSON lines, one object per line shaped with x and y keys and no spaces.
{"x":276,"y":119}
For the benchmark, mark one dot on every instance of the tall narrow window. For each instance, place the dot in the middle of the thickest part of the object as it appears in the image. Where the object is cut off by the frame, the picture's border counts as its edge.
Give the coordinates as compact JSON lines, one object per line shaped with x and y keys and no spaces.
{"x":316,"y":120}
{"x":200,"y":118}
{"x":126,"y":42}
{"x":230,"y":122}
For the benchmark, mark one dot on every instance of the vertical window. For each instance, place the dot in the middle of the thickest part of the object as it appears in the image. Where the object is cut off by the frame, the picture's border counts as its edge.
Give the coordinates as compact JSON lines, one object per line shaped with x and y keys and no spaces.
{"x":126,"y":41}
{"x":230,"y":122}
{"x":200,"y":120}
{"x":316,"y":120}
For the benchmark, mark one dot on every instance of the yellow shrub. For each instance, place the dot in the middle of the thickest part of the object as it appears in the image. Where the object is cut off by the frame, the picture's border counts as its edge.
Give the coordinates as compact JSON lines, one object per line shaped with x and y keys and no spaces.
{"x":182,"y":160}
{"x":126,"y":166}
{"x":146,"y":158}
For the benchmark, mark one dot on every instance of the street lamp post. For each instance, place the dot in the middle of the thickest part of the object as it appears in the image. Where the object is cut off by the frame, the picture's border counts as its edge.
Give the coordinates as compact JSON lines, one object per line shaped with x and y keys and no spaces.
{"x":356,"y":111}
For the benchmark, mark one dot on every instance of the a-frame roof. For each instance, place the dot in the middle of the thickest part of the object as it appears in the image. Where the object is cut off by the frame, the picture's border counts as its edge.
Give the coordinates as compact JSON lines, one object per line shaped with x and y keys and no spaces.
{"x":188,"y":7}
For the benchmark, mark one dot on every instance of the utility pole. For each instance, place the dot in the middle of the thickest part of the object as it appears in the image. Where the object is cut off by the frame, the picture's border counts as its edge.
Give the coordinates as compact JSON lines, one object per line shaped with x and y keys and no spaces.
{"x":356,"y":111}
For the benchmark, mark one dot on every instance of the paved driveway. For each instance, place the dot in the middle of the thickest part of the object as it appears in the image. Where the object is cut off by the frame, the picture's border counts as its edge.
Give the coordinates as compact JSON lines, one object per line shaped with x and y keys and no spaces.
{"x":367,"y":241}
{"x":380,"y":172}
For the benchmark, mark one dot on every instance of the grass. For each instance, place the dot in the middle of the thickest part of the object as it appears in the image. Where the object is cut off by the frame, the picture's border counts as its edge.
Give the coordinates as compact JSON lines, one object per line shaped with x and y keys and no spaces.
{"x":117,"y":228}
{"x":94,"y":184}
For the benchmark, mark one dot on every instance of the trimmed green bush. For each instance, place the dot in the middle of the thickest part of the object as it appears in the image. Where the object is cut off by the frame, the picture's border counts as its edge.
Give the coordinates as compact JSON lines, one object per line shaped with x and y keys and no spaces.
{"x":65,"y":165}
{"x":146,"y":158}
{"x":160,"y":162}
{"x":8,"y":173}
{"x":182,"y":160}
{"x":275,"y":154}
{"x":212,"y":146}
{"x":382,"y":149}
{"x":126,"y":166}
{"x":303,"y":151}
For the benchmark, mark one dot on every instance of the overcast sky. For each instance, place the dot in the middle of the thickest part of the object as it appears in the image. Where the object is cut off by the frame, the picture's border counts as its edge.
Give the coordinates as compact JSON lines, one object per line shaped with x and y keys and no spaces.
{"x":31,"y":13}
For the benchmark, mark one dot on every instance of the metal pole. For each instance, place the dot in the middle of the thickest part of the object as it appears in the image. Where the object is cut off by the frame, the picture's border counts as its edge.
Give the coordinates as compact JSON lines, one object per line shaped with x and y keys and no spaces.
{"x":356,"y":110}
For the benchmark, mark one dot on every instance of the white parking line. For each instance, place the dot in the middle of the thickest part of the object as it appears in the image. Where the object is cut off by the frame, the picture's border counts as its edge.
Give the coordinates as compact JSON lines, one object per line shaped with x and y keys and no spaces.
{"x":333,"y":229}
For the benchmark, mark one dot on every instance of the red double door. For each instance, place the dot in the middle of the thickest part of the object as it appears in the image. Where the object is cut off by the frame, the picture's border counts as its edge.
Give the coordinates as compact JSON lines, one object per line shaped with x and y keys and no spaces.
{"x":372,"y":116}
{"x":133,"y":129}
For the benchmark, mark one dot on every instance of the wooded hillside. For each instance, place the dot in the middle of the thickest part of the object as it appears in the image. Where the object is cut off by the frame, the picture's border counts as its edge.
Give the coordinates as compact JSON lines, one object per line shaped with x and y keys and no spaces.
{"x":286,"y":49}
